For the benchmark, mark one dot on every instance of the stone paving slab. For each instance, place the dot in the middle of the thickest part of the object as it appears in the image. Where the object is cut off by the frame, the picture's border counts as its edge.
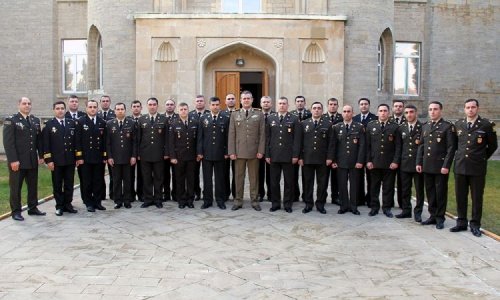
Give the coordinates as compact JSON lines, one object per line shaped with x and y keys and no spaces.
{"x":213,"y":254}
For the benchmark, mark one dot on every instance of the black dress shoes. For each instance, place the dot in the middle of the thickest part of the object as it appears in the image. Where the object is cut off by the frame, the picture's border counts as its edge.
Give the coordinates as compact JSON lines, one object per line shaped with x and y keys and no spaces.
{"x":388,"y":214}
{"x":342,"y":211}
{"x":221,"y":206}
{"x":261,"y":199}
{"x":257,"y":207}
{"x":70,"y":209}
{"x":335,"y":201}
{"x":198,"y":197}
{"x":418,"y":218}
{"x":440,"y":225}
{"x":429,"y":222}
{"x":321,"y":210}
{"x":306,"y":210}
{"x":36,"y":212}
{"x":458,"y":228}
{"x":476,"y":232}
{"x":403,"y":216}
{"x":100,"y":207}
{"x":146,"y":204}
{"x":190,"y":205}
{"x":118,"y":206}
{"x":182,"y":206}
{"x":274,"y":209}
{"x":59,"y":212}
{"x":205,"y":205}
{"x":18,"y":217}
{"x":158,"y":204}
{"x":235,"y":207}
{"x":288,"y":210}
{"x":373,"y":212}
{"x":90,"y":209}
{"x":127,"y":205}
{"x":356,"y":212}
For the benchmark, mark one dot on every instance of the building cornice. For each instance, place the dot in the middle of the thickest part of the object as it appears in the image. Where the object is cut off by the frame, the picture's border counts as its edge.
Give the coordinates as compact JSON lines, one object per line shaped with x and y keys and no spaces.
{"x":238,"y":16}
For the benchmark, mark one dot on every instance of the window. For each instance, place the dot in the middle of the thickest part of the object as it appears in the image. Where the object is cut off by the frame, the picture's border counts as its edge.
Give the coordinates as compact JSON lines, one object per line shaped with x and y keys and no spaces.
{"x":74,"y":66}
{"x":241,"y":6}
{"x":99,"y":64}
{"x":380,"y":65}
{"x":407,"y":69}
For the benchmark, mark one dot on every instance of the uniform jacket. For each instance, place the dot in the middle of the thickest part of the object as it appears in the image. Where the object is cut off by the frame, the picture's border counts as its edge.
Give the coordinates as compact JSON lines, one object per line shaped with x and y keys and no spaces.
{"x":152,"y":138}
{"x":212,"y":136}
{"x":283,"y":139}
{"x":306,"y":114}
{"x":59,"y":142}
{"x":79,"y":114}
{"x":109,"y":116}
{"x":171,"y":118}
{"x":22,"y":141}
{"x":315,"y":146}
{"x":194,"y":114}
{"x":121,"y":144}
{"x":91,"y":140}
{"x":475,"y":146}
{"x":183,"y":139}
{"x":247,"y":135}
{"x":370,"y":117}
{"x":402,"y":119}
{"x":349,"y":147}
{"x":437,"y":147}
{"x":409,"y":146}
{"x":335,"y":118}
{"x":383,"y":147}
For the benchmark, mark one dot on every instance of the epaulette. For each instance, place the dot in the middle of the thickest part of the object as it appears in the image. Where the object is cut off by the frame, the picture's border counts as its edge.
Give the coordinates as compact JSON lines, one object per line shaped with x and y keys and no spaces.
{"x":257,"y":109}
{"x":238,"y":109}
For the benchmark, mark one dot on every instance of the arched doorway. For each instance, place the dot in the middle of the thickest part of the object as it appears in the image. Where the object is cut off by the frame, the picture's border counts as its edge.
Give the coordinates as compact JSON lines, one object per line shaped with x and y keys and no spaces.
{"x":236,"y":67}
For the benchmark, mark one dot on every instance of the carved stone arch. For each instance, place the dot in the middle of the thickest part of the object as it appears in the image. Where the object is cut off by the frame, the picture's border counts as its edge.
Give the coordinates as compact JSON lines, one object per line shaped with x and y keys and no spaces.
{"x":386,"y":49}
{"x":166,"y":52}
{"x":94,"y":56}
{"x":314,"y":54}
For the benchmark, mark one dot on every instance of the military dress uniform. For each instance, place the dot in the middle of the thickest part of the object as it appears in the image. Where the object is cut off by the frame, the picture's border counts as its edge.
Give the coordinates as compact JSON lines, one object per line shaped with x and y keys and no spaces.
{"x":476,"y":144}
{"x":383,"y":147}
{"x":136,"y":188}
{"x":364,"y":198}
{"x":59,"y":147}
{"x":182,"y":146}
{"x":23,"y":143}
{"x":196,"y":115}
{"x":436,"y":151}
{"x":349,"y":146}
{"x":91,"y":148}
{"x":264,"y":170}
{"x":246,"y":138}
{"x":399,"y":188}
{"x":121,"y":146}
{"x":283,"y":141}
{"x":229,"y":166}
{"x":169,"y":190}
{"x":106,"y":116}
{"x":411,"y":136}
{"x":335,"y":118}
{"x":74,"y":115}
{"x":152,"y":139}
{"x":315,"y":151}
{"x":212,"y":144}
{"x":302,"y":115}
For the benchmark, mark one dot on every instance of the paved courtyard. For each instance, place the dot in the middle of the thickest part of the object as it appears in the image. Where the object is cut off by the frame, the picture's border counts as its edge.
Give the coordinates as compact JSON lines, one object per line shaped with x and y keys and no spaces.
{"x":213,"y":254}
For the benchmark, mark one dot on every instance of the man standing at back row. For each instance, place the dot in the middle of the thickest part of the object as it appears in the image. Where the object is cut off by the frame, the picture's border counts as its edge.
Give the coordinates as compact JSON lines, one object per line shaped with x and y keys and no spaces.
{"x":477,"y":141}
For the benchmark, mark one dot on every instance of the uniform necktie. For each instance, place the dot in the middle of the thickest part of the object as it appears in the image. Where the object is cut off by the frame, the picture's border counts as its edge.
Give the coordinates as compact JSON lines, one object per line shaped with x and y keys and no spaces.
{"x":121,"y":125}
{"x":347,"y":127}
{"x":186,"y":123}
{"x":28,"y":121}
{"x":265,"y":116}
{"x":411,"y":129}
{"x":152,"y":120}
{"x":199,"y":115}
{"x":469,"y":125}
{"x":382,"y":125}
{"x":432,"y":124}
{"x":136,"y":119}
{"x":315,"y":123}
{"x":214,"y":119}
{"x":300,"y":116}
{"x":363,"y":119}
{"x":281,"y":118}
{"x":332,"y":118}
{"x":105,"y":114}
{"x":62,"y":123}
{"x":246,"y":113}
{"x":93,"y":121}
{"x":74,"y":116}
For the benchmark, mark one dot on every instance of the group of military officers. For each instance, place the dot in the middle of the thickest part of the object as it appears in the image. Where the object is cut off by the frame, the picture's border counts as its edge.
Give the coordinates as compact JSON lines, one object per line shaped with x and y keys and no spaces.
{"x":146,"y":152}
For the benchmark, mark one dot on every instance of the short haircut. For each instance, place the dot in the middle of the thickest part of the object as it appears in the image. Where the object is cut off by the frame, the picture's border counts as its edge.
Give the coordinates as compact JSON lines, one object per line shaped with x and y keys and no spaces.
{"x":58,"y":103}
{"x":350,"y":106}
{"x":302,"y":97}
{"x":383,"y":104}
{"x":214,"y":99}
{"x":135,"y":102}
{"x":438,"y":103}
{"x":90,"y":100}
{"x":182,"y":104}
{"x":21,"y":99}
{"x":333,"y":100}
{"x":317,"y":102}
{"x":73,"y":96}
{"x":121,"y":103}
{"x":411,"y":106}
{"x":200,"y":96}
{"x":398,"y":101}
{"x":366,"y":99}
{"x":246,"y":92}
{"x":153,"y":99}
{"x":105,"y":96}
{"x":267,"y":97}
{"x":284,"y":98}
{"x":472,"y":100}
{"x":170,"y":99}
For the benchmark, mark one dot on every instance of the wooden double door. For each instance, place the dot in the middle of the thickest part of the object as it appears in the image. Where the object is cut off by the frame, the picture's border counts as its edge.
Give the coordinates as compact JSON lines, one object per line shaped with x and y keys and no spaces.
{"x":234,"y":82}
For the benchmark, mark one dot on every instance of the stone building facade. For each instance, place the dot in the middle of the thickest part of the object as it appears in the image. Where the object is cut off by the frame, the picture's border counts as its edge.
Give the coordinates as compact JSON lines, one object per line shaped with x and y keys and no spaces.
{"x":320,"y":49}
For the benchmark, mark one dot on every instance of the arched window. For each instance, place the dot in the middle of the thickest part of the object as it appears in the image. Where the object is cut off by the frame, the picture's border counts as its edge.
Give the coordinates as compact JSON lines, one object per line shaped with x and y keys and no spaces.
{"x":380,"y":65}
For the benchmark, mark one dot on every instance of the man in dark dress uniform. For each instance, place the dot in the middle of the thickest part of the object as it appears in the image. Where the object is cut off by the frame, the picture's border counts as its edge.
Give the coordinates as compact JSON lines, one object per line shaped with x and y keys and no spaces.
{"x":106,"y":113}
{"x":477,"y":141}
{"x":198,"y":111}
{"x":411,"y":135}
{"x":398,"y":117}
{"x":383,"y":156}
{"x":364,"y":117}
{"x":73,"y":112}
{"x":169,"y":190}
{"x":212,"y":149}
{"x":264,"y":168}
{"x":152,"y":139}
{"x":91,"y":156}
{"x":435,"y":156}
{"x":283,"y":141}
{"x":315,"y":157}
{"x":335,"y":117}
{"x":23,"y":147}
{"x":303,"y":114}
{"x":136,"y":178}
{"x":59,"y":155}
{"x":348,"y":139}
{"x":229,"y":165}
{"x":182,"y":146}
{"x":121,"y":146}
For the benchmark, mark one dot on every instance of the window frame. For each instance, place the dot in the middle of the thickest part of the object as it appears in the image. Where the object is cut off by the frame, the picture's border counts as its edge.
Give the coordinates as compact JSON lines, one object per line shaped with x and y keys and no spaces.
{"x":240,"y":7}
{"x":380,"y":65}
{"x":406,"y":64}
{"x":63,"y":65}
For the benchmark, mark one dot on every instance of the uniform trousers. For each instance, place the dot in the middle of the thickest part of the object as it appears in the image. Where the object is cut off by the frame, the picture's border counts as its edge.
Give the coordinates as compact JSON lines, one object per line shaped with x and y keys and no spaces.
{"x":334,"y":188}
{"x":348,"y":197}
{"x":197,"y":188}
{"x":211,"y":168}
{"x":362,"y":197}
{"x":321,"y":173}
{"x":264,"y":179}
{"x":406,"y":183}
{"x":476,"y":185}
{"x":63,"y":178}
{"x":384,"y":178}
{"x":296,"y":188}
{"x":136,"y":185}
{"x":436,"y":190}
{"x":185,"y":171}
{"x":93,"y":186}
{"x":111,"y":196}
{"x":169,"y":190}
{"x":399,"y":188}
{"x":288,"y":190}
{"x":121,"y":183}
{"x":230,"y":179}
{"x":16,"y":182}
{"x":152,"y":178}
{"x":240,"y":167}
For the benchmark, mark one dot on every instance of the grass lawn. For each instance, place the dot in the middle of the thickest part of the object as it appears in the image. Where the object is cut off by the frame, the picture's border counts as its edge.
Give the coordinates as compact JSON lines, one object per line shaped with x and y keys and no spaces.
{"x":44,"y":186}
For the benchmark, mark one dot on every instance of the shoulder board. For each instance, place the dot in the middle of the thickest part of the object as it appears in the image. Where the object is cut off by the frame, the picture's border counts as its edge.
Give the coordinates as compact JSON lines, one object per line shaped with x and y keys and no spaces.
{"x":257,"y":109}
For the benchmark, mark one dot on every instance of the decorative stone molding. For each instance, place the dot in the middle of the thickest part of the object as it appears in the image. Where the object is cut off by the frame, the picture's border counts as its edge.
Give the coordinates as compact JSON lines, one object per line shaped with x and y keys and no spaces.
{"x":201,"y":43}
{"x":166,"y":52}
{"x":278,"y":44}
{"x":314,"y":54}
